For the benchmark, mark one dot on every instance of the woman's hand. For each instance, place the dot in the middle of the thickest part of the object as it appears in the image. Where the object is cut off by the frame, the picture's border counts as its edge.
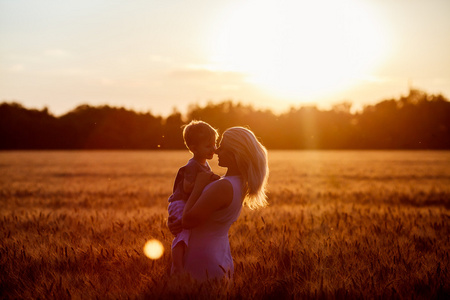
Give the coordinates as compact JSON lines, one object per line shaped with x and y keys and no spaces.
{"x":174,"y":225}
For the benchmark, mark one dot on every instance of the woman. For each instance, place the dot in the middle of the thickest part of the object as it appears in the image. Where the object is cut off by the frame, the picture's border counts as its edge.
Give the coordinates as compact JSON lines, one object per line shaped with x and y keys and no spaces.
{"x":213,"y":206}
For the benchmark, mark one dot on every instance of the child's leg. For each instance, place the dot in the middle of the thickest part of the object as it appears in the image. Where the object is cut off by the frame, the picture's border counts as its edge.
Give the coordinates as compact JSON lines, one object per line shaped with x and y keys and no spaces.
{"x":178,"y":257}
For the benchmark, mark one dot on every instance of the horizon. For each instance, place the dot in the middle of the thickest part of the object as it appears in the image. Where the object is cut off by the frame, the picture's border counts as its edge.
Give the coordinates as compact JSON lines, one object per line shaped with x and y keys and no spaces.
{"x":235,"y":102}
{"x":156,"y":57}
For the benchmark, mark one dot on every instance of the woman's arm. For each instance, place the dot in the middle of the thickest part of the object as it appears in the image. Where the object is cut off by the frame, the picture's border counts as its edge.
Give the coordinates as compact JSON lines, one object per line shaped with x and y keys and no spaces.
{"x":188,"y":186}
{"x":201,"y":205}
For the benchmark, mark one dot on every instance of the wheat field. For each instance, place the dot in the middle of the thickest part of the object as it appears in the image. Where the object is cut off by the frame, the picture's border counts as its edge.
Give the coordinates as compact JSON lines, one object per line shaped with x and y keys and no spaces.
{"x":340,"y":225}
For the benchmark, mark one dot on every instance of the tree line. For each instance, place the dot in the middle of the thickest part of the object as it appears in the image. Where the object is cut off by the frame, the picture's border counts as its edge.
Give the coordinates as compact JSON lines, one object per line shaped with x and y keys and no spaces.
{"x":416,"y":121}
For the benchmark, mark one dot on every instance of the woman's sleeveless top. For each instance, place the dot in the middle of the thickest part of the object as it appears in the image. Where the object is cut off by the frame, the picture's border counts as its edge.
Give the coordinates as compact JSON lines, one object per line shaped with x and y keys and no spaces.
{"x":208,"y":254}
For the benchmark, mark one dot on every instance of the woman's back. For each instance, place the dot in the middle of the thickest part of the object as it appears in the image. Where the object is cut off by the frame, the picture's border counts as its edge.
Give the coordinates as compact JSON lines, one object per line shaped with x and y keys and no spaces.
{"x":208,"y":254}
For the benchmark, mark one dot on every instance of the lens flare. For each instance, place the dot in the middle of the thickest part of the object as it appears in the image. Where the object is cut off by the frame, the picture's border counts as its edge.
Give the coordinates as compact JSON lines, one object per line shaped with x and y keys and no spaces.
{"x":153,"y":249}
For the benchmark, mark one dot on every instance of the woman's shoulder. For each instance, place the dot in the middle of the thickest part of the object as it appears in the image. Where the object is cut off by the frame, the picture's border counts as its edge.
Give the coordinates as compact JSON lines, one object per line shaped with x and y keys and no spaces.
{"x":221,"y":184}
{"x":235,"y":181}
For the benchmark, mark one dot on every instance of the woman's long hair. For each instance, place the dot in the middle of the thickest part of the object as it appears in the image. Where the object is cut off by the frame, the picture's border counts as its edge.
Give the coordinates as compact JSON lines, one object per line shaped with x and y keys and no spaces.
{"x":251,"y":159}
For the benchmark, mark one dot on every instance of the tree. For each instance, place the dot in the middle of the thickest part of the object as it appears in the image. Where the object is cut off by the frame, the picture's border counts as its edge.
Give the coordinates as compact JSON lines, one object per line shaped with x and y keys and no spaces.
{"x":415,"y":121}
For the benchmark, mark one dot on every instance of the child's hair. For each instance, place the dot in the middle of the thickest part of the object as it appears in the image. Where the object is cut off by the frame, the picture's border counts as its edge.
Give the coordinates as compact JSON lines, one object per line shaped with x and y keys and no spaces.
{"x":252,"y":161}
{"x":198,"y":131}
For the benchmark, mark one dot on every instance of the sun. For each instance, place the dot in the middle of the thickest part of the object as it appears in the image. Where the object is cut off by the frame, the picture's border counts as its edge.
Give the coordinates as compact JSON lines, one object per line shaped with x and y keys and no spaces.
{"x":300,"y":48}
{"x":153,"y":249}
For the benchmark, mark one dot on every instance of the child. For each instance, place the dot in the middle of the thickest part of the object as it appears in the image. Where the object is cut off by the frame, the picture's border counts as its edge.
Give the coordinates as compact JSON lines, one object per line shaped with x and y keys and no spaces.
{"x":200,"y":138}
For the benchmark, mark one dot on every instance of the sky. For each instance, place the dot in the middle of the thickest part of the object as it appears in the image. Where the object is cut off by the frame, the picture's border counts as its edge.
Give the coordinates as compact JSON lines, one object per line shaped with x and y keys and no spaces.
{"x":163,"y":55}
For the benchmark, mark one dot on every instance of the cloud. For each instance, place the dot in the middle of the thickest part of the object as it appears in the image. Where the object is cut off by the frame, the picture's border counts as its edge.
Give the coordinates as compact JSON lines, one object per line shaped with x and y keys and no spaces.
{"x":106,"y":82}
{"x":441,"y":81}
{"x":57,"y":53}
{"x":199,"y":73}
{"x":160,"y":59}
{"x":209,"y":81}
{"x":17,"y":68}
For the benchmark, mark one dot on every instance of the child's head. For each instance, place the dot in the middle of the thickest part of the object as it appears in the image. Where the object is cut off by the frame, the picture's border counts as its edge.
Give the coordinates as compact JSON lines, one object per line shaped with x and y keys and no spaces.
{"x":200,"y":138}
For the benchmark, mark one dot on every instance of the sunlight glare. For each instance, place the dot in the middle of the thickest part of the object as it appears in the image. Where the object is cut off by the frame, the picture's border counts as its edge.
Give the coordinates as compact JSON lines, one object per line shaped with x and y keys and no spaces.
{"x":300,"y":48}
{"x":153,"y":249}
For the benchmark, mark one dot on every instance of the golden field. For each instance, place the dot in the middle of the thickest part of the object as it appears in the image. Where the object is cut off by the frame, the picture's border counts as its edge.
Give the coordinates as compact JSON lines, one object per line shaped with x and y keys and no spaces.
{"x":341,"y":224}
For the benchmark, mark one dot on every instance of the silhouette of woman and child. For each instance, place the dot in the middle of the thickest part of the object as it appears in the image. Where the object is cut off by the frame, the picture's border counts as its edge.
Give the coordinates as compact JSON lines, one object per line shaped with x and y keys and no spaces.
{"x":203,"y":205}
